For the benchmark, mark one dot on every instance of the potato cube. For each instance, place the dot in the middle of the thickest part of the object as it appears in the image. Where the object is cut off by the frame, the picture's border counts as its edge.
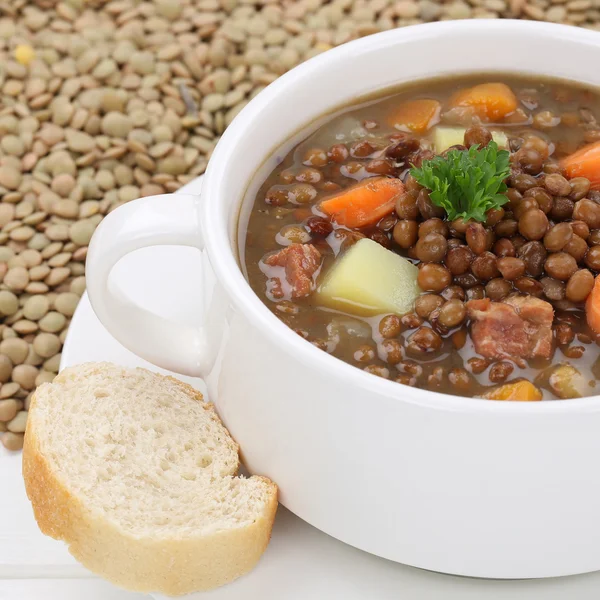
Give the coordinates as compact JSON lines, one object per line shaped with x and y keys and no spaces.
{"x":567,"y":382}
{"x":370,"y":280}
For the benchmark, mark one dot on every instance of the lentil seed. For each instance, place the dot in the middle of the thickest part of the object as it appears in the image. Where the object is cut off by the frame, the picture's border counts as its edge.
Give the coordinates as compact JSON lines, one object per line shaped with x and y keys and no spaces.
{"x":81,"y":232}
{"x":9,"y":389}
{"x":15,"y":349}
{"x":25,"y":376}
{"x":46,"y":345}
{"x":12,"y":441}
{"x":8,"y":409}
{"x":66,"y":303}
{"x":17,"y":278}
{"x":9,"y":303}
{"x":52,"y":322}
{"x":36,"y":307}
{"x":57,"y":276}
{"x":18,"y":424}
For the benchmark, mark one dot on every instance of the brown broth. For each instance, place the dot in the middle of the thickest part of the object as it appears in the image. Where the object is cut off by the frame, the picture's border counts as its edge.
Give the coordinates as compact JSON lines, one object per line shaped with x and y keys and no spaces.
{"x":348,"y":337}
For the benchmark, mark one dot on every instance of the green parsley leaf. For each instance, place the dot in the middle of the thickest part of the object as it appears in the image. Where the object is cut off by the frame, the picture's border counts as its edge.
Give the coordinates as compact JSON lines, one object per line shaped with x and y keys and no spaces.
{"x":466,"y":183}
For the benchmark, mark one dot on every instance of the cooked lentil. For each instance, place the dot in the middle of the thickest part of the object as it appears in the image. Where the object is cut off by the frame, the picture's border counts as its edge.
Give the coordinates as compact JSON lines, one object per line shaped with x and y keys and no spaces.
{"x":542,"y":244}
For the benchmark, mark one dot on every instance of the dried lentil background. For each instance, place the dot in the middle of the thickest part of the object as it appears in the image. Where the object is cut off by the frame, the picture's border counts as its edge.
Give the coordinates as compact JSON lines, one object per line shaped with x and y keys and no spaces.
{"x":103,"y":102}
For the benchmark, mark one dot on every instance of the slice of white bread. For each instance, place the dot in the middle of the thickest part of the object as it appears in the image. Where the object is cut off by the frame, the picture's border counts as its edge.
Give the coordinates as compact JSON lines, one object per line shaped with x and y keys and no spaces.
{"x":137,"y":474}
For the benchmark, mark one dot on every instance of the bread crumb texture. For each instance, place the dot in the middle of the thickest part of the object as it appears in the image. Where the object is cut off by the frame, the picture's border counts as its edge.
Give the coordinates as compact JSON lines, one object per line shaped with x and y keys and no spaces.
{"x":138,"y":475}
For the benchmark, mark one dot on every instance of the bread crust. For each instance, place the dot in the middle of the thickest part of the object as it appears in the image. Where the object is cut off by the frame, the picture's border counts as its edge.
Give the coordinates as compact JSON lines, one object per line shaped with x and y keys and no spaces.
{"x":168,"y":565}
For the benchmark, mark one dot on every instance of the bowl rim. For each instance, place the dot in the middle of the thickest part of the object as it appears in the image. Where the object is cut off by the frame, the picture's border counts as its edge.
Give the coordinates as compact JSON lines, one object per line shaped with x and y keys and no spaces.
{"x":229,"y":274}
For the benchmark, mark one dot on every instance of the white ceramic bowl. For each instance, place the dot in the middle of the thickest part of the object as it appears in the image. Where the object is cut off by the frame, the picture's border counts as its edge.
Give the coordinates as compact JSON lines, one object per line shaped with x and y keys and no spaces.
{"x":488,"y":489}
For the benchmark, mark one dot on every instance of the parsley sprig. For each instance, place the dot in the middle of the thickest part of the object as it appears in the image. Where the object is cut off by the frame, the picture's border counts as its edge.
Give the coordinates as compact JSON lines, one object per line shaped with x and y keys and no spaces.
{"x":466,"y":183}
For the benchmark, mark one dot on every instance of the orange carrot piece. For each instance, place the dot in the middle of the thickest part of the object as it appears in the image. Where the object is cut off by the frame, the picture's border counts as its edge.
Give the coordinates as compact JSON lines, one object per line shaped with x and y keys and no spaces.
{"x":592,"y":307}
{"x":584,"y":163}
{"x":364,"y":203}
{"x":519,"y":390}
{"x":491,"y":101}
{"x":416,"y":115}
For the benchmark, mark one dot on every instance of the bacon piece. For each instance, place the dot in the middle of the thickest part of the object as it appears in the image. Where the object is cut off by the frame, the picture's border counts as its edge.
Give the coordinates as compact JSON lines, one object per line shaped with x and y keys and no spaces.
{"x":518,"y":327}
{"x":300,"y":263}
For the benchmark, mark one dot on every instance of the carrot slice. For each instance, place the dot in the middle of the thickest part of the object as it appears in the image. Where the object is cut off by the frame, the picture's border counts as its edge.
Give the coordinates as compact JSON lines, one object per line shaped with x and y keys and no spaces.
{"x":592,"y":307}
{"x":416,"y":115}
{"x":584,"y":163}
{"x":491,"y":101}
{"x":519,"y":390}
{"x":364,"y":203}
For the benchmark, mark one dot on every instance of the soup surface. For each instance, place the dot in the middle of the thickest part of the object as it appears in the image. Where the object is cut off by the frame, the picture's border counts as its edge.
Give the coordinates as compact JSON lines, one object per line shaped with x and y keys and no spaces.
{"x":445,"y":235}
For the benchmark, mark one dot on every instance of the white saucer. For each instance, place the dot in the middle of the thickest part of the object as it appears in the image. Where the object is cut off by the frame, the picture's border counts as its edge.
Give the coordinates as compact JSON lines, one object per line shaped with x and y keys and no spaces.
{"x":300,"y":563}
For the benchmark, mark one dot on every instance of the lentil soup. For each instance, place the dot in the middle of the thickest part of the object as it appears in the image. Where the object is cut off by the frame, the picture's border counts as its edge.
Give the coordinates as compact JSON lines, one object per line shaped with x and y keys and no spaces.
{"x":445,"y":235}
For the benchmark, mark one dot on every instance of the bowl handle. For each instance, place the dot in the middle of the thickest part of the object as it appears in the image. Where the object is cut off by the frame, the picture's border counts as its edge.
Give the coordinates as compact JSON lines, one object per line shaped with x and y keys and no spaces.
{"x":168,"y":219}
